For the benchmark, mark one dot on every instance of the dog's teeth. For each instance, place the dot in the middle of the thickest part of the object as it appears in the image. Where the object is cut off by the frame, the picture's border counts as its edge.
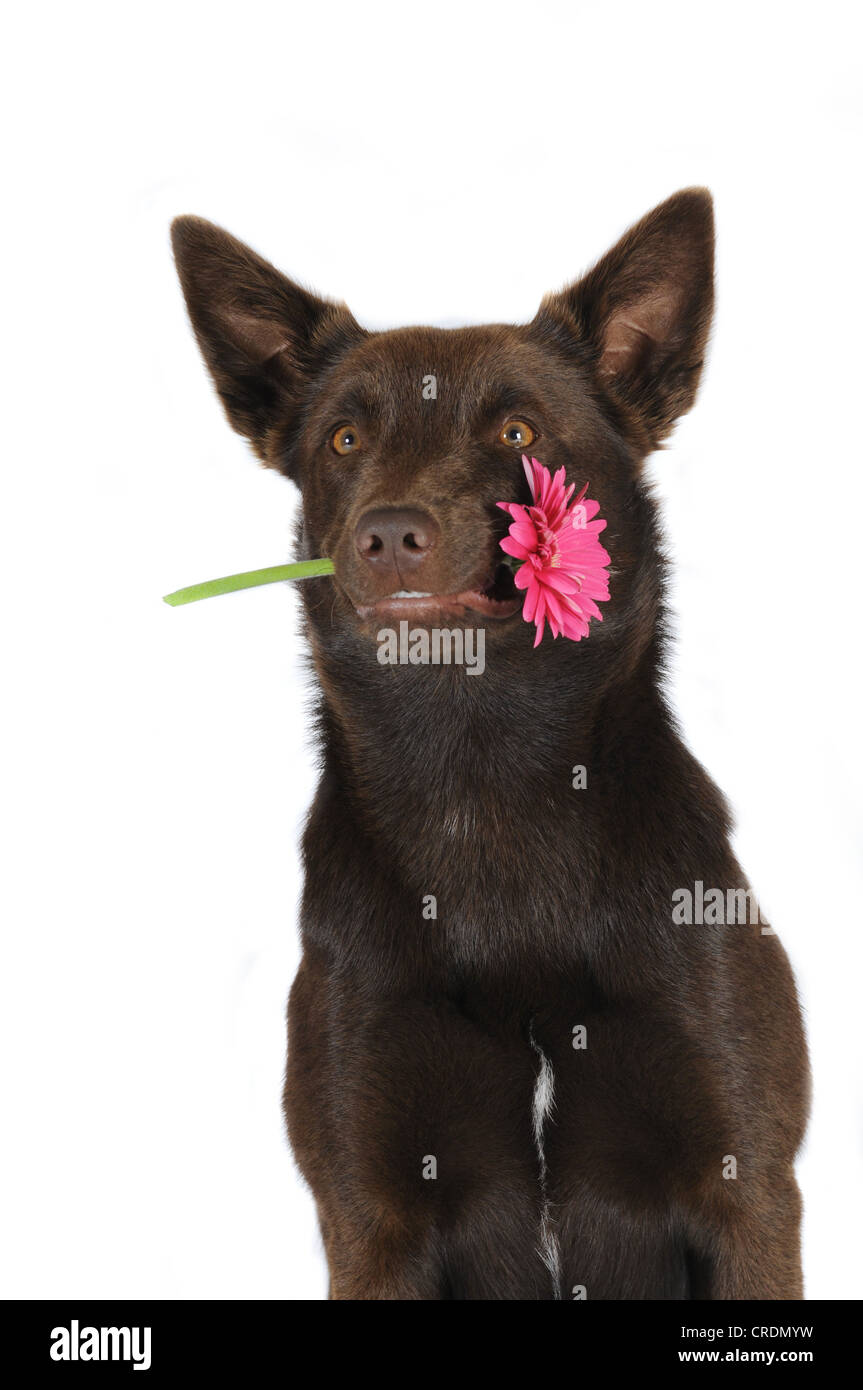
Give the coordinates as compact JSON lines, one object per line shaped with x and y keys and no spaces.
{"x":409,"y":593}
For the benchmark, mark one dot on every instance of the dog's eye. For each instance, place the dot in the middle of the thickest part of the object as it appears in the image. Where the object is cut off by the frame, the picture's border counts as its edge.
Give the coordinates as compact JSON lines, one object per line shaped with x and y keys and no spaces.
{"x":518,"y":434}
{"x":346,"y":440}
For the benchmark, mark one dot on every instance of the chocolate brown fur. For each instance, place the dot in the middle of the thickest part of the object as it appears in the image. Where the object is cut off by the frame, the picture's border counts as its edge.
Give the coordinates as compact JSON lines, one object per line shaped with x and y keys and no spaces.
{"x":411,"y":1038}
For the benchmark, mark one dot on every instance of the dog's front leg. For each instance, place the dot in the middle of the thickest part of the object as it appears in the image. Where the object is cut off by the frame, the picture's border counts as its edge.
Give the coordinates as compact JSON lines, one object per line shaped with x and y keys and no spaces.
{"x":340,"y":1104}
{"x":752,"y":1250}
{"x":413,"y":1127}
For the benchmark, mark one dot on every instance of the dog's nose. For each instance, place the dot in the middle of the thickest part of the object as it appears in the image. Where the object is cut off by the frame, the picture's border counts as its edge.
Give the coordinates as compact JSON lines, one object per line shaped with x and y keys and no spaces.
{"x":395,"y":538}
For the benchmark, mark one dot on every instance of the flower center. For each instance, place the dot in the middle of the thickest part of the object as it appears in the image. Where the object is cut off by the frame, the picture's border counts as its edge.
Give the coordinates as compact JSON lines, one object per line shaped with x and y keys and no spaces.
{"x":546,"y":540}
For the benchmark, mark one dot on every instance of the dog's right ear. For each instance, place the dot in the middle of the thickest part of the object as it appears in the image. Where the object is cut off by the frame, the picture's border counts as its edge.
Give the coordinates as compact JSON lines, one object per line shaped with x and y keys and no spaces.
{"x":263,"y":337}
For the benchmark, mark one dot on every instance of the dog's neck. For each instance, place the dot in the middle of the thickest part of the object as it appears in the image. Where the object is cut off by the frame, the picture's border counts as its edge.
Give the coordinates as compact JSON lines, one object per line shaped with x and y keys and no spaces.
{"x":495,"y":796}
{"x":435,"y":757}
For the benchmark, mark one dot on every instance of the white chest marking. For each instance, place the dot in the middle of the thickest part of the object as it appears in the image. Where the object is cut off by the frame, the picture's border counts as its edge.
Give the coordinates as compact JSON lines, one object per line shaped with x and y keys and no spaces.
{"x":543,"y":1103}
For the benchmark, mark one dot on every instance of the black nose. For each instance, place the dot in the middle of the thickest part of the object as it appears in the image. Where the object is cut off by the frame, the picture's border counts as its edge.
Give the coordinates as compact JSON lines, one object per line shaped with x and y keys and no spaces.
{"x":396,"y":538}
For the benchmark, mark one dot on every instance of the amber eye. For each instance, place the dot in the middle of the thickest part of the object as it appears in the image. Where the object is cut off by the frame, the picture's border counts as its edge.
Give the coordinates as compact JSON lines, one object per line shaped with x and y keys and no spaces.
{"x":517,"y":434}
{"x":346,"y":440}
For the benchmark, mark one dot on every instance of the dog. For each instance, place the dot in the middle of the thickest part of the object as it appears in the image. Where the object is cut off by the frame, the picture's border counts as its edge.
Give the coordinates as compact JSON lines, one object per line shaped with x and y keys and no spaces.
{"x":514,"y":1070}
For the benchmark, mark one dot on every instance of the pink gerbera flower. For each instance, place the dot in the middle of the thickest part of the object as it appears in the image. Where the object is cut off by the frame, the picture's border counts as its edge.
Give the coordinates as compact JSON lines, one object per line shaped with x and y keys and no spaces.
{"x":562,"y":563}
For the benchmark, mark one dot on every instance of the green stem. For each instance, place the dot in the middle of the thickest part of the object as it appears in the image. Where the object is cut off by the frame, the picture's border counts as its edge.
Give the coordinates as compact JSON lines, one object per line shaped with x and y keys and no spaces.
{"x":305,"y":569}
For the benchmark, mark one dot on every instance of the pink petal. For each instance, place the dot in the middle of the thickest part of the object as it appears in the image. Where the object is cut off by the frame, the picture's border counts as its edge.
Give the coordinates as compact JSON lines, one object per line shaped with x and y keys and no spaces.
{"x":525,"y":533}
{"x":531,"y":603}
{"x":513,"y":548}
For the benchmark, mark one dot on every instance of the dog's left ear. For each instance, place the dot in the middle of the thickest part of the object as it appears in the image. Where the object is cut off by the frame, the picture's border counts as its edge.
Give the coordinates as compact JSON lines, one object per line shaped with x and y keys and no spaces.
{"x":643,"y":312}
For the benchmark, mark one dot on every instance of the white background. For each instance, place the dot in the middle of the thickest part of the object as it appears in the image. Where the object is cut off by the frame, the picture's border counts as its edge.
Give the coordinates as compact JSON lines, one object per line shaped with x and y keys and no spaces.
{"x":440,"y":163}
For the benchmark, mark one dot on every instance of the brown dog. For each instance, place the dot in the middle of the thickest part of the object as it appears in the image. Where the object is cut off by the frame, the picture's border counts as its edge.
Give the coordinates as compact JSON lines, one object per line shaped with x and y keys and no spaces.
{"x":515,"y":1069}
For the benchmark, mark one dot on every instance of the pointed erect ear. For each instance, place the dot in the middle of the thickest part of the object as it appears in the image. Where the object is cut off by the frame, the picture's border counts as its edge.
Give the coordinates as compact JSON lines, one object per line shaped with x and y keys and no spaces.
{"x":643,"y":313}
{"x":263,"y":337}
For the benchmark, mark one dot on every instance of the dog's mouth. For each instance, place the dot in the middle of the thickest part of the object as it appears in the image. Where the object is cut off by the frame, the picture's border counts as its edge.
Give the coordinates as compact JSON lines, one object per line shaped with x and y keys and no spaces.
{"x":497,"y":599}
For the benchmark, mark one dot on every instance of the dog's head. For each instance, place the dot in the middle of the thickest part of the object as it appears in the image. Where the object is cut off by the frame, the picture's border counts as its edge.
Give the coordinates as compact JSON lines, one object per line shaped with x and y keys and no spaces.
{"x":403,"y":442}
